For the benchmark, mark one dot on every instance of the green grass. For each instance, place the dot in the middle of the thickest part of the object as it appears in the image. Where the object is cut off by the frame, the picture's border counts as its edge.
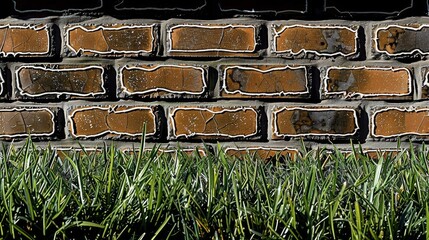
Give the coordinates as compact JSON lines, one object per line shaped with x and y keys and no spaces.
{"x":146,"y":195}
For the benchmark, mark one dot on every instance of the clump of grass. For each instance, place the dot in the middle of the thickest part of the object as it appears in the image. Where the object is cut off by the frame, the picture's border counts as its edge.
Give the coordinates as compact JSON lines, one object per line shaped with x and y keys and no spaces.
{"x":109,"y":194}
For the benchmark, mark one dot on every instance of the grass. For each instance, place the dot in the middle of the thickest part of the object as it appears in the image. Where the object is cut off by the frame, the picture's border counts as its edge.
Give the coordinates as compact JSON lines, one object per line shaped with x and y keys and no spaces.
{"x":110,"y":194}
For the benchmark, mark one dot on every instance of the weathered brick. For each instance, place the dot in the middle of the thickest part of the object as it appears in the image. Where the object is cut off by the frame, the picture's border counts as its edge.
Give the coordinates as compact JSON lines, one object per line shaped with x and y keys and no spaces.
{"x":397,"y":40}
{"x":320,"y":122}
{"x":379,"y":8}
{"x":264,"y":153}
{"x":49,"y":81}
{"x":368,"y":82}
{"x":169,"y":151}
{"x":265,"y":81}
{"x":390,"y":122}
{"x":212,"y":40}
{"x":319,"y":40}
{"x":163,"y":81}
{"x":25,"y":40}
{"x":56,"y":6}
{"x":111,"y":40}
{"x":425,"y":83}
{"x":214,"y":123}
{"x":252,"y":7}
{"x":125,"y":122}
{"x":183,"y":5}
{"x":23,"y":122}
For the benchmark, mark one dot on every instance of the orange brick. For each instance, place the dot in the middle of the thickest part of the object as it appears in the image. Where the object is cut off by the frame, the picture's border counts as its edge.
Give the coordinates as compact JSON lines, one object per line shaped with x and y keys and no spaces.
{"x":25,"y":40}
{"x":391,"y":122}
{"x":321,"y":40}
{"x":214,"y":123}
{"x":265,"y":81}
{"x":113,"y":121}
{"x":264,"y":153}
{"x":115,"y":39}
{"x":212,"y":40}
{"x":23,"y":122}
{"x":368,"y":82}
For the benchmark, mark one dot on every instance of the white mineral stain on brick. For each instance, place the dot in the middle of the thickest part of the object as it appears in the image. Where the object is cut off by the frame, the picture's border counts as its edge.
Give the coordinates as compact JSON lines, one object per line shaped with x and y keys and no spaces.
{"x":31,"y":110}
{"x":125,"y":89}
{"x":113,"y":51}
{"x":110,"y":110}
{"x":408,"y":109}
{"x":403,"y":27}
{"x":170,"y":43}
{"x":281,"y":93}
{"x":32,"y":27}
{"x":22,"y":91}
{"x":305,"y":51}
{"x":277,"y":134}
{"x":362,"y":95}
{"x":172,"y":113}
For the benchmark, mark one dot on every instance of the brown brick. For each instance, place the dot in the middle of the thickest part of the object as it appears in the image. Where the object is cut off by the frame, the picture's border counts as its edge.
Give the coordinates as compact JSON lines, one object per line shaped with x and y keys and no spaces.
{"x":368,"y":82}
{"x":265,"y":81}
{"x":213,"y":40}
{"x":214,"y":123}
{"x":292,"y":40}
{"x":113,"y":121}
{"x":264,"y":153}
{"x":425,"y":84}
{"x":34,"y":81}
{"x":169,"y":151}
{"x":314,"y":121}
{"x":163,"y":80}
{"x":25,"y":40}
{"x":111,"y":40}
{"x":396,"y":40}
{"x":395,"y":122}
{"x":22,"y":122}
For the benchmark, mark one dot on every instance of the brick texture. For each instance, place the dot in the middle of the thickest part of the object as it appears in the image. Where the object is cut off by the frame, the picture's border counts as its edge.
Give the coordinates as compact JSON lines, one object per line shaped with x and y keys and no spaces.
{"x":256,"y":76}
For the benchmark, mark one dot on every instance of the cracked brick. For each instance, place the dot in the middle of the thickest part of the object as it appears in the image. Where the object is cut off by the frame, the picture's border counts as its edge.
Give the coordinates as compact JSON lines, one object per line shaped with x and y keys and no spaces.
{"x":163,"y":81}
{"x":24,"y":122}
{"x":214,"y":123}
{"x":264,"y":81}
{"x":263,"y":153}
{"x":51,"y":81}
{"x":214,"y":40}
{"x":25,"y":40}
{"x":114,"y":122}
{"x":111,"y":40}
{"x":314,"y":40}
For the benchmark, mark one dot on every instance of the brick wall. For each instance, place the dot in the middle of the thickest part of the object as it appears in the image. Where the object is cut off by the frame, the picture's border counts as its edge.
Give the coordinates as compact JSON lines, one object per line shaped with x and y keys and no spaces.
{"x":256,"y":76}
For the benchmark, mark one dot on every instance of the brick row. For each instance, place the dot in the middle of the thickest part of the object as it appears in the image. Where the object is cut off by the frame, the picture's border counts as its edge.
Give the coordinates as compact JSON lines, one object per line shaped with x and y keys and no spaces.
{"x":179,"y":79}
{"x":109,"y":38}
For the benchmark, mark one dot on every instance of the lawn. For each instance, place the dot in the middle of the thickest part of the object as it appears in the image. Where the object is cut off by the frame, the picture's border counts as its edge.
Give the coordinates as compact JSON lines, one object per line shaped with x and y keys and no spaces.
{"x":111,"y":194}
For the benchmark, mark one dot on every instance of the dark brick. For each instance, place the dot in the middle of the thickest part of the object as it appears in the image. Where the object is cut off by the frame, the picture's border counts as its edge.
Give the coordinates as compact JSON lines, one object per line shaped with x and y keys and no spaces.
{"x":56,"y":6}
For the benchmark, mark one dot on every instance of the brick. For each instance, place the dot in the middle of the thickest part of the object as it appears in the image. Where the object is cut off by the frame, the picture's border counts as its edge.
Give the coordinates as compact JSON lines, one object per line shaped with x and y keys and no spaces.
{"x":163,"y":81}
{"x":397,"y":41}
{"x":214,"y":40}
{"x":124,"y":122}
{"x":390,"y":122}
{"x":57,"y":6}
{"x":264,"y":153}
{"x":25,"y":40}
{"x":183,"y":5}
{"x":320,"y":40}
{"x":111,"y":40}
{"x":321,"y":122}
{"x":265,"y":81}
{"x":269,"y":6}
{"x":214,"y":123}
{"x":368,"y":82}
{"x":45,"y":81}
{"x":425,"y":84}
{"x":366,"y":7}
{"x":169,"y":151}
{"x":24,"y":122}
